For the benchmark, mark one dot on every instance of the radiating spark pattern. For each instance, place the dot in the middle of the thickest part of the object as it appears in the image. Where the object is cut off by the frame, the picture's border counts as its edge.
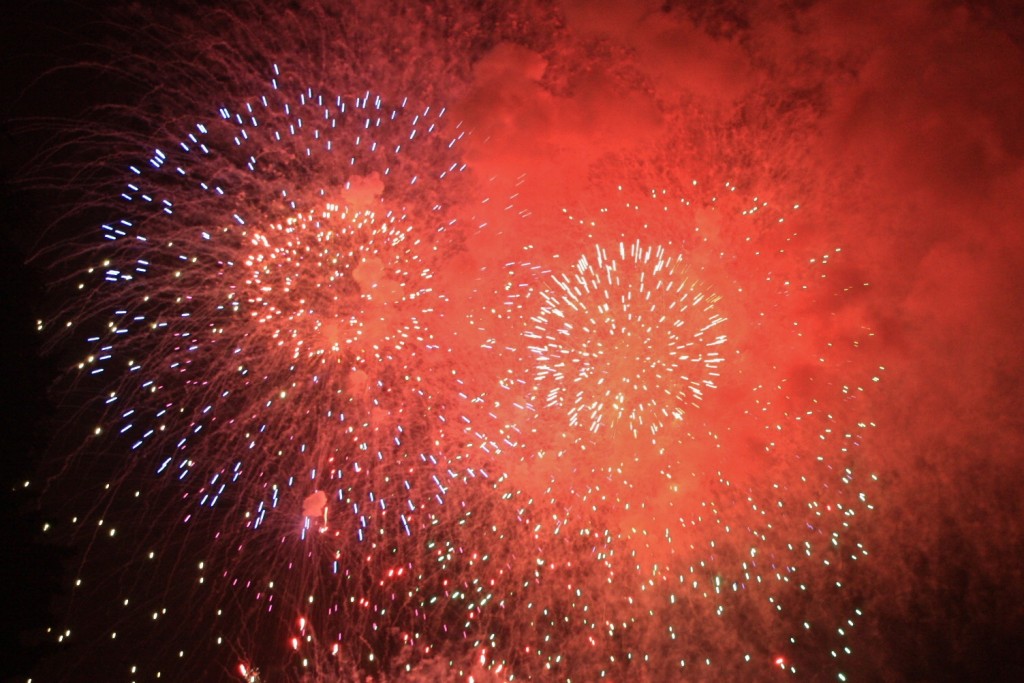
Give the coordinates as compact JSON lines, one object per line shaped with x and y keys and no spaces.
{"x":632,"y":554}
{"x":271,"y":344}
{"x":629,"y":338}
{"x":293,"y":306}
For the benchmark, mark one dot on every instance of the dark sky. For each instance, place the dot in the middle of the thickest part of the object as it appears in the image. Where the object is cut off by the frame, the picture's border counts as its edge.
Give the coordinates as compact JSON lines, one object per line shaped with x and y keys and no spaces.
{"x":899,"y":130}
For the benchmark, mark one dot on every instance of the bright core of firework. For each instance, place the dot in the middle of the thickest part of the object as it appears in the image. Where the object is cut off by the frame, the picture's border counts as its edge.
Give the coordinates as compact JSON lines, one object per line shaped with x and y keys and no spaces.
{"x":335,"y":280}
{"x":628,"y":338}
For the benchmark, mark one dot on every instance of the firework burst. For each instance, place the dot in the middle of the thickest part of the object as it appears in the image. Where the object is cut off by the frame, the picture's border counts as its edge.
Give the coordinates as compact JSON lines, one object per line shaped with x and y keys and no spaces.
{"x":643,"y":526}
{"x":269,"y":340}
{"x":647,"y":341}
{"x":293,"y":304}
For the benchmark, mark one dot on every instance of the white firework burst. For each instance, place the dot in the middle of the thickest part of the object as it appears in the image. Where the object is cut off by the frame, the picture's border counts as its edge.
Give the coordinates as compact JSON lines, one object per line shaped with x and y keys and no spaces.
{"x":630,"y":337}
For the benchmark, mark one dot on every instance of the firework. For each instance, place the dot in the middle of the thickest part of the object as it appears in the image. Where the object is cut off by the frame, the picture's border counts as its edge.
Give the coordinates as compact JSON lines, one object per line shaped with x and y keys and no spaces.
{"x":367,"y":456}
{"x":270,"y":350}
{"x":648,"y":337}
{"x":649,"y":537}
{"x":293,"y":304}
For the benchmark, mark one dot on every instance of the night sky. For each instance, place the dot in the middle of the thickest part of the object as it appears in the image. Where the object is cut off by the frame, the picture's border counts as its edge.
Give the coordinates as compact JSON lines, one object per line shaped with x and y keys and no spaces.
{"x":896,"y":129}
